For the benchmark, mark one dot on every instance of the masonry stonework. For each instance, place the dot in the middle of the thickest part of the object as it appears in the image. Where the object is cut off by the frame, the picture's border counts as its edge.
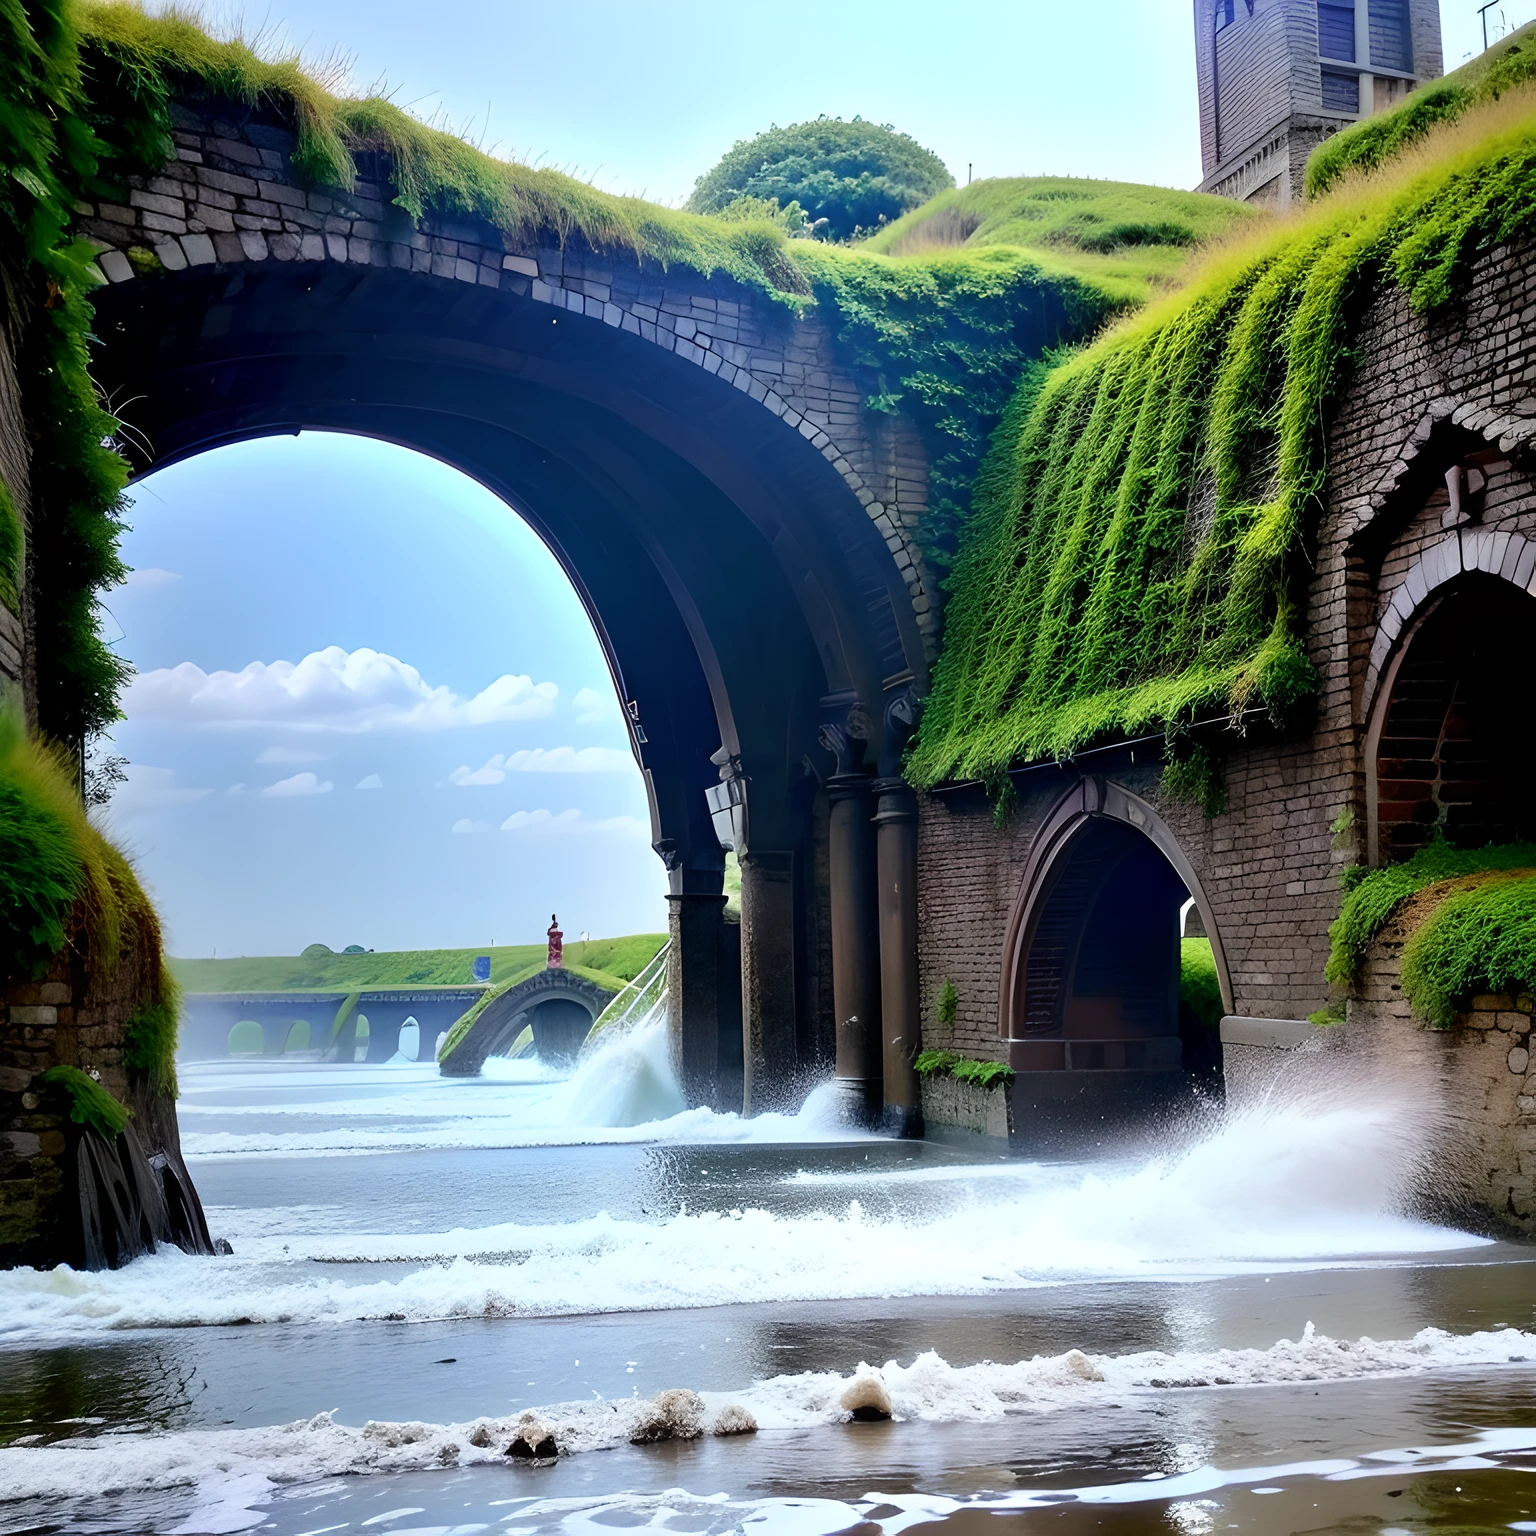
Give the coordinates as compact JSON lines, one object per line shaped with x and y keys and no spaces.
{"x":1426,"y":394}
{"x":230,"y":199}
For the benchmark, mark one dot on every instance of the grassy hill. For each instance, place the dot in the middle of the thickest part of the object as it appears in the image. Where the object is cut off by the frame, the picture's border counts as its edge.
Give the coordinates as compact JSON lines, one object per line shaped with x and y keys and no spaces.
{"x":1117,"y":236}
{"x":608,"y":961}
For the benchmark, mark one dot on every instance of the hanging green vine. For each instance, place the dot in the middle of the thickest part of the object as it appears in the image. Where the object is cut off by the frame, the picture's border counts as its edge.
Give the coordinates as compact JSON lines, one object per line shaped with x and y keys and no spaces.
{"x":1140,"y":541}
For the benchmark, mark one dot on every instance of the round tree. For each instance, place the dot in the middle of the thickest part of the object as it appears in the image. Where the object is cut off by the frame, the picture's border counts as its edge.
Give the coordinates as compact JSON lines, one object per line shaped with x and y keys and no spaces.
{"x":851,"y":174}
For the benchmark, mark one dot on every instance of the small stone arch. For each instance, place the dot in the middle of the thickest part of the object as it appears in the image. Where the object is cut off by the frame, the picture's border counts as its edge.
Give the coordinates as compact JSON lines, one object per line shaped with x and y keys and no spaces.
{"x":556,"y":991}
{"x":1508,"y":556}
{"x":1479,"y":579}
{"x":1091,"y":799}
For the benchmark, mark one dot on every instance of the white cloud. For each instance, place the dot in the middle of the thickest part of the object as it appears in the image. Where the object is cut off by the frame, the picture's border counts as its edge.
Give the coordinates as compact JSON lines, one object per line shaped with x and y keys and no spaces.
{"x":464,"y":826}
{"x":543,"y":760}
{"x":290,"y":755}
{"x":373,"y":781}
{"x":571,"y":821}
{"x":571,"y":760}
{"x":148,"y":789}
{"x":491,"y":772}
{"x":331,"y":690}
{"x":594,"y":707}
{"x":236,"y":789}
{"x":299,"y":784}
{"x":151,"y":576}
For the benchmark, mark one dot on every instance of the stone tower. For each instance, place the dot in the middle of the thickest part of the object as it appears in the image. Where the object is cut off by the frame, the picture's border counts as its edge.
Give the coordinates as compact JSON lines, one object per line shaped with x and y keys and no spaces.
{"x":1277,"y":77}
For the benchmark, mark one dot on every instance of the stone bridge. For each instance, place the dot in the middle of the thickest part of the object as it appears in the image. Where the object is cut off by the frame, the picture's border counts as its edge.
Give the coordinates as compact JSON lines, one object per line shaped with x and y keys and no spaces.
{"x":741,"y":531}
{"x":739,"y":527}
{"x":208,"y":1018}
{"x":560,"y":1007}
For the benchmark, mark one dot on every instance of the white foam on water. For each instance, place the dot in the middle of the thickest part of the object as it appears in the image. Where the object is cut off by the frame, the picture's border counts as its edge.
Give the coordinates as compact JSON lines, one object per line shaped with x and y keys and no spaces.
{"x":1295,"y":1185}
{"x":623,"y":1091}
{"x":223,"y":1462}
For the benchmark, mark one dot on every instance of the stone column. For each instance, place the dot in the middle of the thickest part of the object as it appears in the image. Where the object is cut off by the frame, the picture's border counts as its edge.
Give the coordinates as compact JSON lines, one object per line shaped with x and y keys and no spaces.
{"x":855,"y":944}
{"x":900,"y":1014}
{"x":693,"y":994}
{"x":767,"y":980}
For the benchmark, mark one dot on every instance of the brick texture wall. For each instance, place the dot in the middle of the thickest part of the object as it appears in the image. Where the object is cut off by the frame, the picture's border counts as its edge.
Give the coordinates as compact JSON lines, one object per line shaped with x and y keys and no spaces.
{"x":1425,"y":392}
{"x":229,"y":198}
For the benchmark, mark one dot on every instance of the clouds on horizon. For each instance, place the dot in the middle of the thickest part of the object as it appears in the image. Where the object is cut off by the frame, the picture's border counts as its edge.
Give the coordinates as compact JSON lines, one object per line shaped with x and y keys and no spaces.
{"x":300,"y":784}
{"x":330,"y":690}
{"x":543,"y":760}
{"x":570,"y":821}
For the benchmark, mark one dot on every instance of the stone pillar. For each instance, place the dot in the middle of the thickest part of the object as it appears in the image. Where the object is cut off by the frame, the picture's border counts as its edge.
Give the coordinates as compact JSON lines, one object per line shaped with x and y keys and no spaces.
{"x":855,"y":944}
{"x":900,"y":1014}
{"x":693,"y":994}
{"x":767,"y":981}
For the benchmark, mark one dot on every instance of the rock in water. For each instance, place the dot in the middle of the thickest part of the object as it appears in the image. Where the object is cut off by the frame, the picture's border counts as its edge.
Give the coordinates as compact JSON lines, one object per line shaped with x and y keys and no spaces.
{"x":532,"y":1441}
{"x":675,"y":1415}
{"x":1081,"y":1366}
{"x":865,"y":1397}
{"x":733,"y":1419}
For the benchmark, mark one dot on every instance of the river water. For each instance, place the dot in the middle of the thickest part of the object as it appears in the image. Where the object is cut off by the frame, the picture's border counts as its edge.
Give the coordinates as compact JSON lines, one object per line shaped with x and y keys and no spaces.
{"x":1239,"y":1326}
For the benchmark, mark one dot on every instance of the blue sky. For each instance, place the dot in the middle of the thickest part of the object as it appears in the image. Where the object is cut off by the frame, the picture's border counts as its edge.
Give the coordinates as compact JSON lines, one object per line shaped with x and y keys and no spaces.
{"x":371,"y":709}
{"x":453,"y":689}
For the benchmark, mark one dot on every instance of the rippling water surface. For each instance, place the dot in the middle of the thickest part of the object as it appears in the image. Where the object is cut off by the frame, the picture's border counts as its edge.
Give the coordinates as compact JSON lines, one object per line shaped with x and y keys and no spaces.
{"x":1239,"y":1326}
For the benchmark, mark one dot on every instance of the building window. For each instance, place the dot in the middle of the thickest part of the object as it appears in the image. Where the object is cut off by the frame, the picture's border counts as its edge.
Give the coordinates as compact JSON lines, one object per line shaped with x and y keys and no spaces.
{"x":1226,"y":14}
{"x":1391,"y":35}
{"x":1336,"y":31}
{"x":1341,"y":92}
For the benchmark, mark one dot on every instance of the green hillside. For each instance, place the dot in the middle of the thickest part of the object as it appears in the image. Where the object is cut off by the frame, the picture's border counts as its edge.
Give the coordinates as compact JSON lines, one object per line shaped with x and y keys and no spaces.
{"x":605,"y":959}
{"x":1120,"y":238}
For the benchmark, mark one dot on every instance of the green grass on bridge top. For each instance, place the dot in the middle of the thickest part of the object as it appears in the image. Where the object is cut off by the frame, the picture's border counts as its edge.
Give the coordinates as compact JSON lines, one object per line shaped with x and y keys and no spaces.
{"x":1117,"y":236}
{"x":604,"y":960}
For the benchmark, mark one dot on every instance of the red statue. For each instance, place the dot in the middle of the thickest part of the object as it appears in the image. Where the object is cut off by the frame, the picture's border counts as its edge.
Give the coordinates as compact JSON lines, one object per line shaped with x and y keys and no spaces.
{"x":556,"y":944}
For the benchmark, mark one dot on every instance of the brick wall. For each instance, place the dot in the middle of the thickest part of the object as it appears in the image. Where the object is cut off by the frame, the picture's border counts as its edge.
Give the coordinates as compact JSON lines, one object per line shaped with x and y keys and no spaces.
{"x":1474,"y":1082}
{"x":229,"y":198}
{"x":1269,"y":863}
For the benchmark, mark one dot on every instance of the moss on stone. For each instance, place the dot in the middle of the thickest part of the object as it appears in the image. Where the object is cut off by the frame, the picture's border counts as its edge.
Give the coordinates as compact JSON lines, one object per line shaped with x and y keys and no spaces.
{"x":64,"y":887}
{"x":89,"y":1103}
{"x":964,"y":1069}
{"x":1375,"y":896}
{"x":1140,"y":539}
{"x":1478,"y":940}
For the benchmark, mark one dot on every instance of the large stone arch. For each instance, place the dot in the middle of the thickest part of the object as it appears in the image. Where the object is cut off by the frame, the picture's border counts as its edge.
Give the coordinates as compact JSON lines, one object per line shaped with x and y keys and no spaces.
{"x":1092,"y":799}
{"x":739,"y":528}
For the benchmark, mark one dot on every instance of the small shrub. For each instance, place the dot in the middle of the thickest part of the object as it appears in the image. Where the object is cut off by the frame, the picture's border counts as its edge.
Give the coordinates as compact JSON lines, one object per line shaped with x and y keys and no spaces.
{"x":1374,"y":895}
{"x":1478,"y":940}
{"x":847,"y":176}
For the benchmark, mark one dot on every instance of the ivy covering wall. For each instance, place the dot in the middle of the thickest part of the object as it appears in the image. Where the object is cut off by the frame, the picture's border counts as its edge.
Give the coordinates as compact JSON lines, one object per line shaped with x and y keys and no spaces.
{"x":1141,"y":535}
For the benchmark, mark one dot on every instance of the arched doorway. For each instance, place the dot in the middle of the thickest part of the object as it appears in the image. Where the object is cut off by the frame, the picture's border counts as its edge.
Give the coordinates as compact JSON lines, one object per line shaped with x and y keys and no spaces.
{"x":1091,"y":999}
{"x":1453,"y":735}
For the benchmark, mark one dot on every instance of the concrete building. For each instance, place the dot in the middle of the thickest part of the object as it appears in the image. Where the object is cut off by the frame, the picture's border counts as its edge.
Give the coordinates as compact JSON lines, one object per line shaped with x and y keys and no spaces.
{"x":1277,"y":77}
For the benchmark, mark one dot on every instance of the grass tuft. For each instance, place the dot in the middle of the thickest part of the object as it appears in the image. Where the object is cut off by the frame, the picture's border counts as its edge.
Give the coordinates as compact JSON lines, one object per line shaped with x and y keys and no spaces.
{"x":1478,"y":940}
{"x":1374,"y":897}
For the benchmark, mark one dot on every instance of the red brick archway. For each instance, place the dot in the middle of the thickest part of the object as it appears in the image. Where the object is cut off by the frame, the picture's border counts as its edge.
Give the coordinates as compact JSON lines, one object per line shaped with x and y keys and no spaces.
{"x":1452,"y":737}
